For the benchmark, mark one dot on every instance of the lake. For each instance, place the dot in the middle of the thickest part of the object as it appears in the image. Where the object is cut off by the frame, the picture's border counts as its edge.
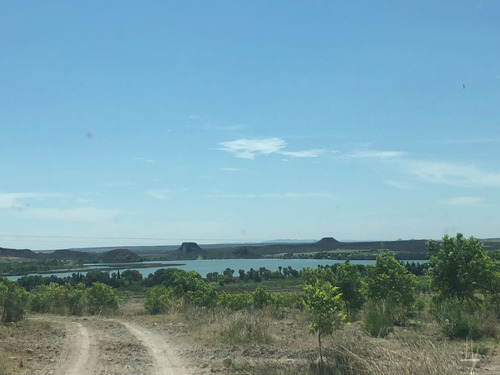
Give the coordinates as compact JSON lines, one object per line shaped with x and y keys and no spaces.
{"x":219,"y":265}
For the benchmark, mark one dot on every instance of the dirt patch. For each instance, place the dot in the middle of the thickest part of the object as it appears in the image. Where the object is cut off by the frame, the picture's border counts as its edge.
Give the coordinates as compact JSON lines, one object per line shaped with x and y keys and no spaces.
{"x":202,"y":342}
{"x":96,"y":345}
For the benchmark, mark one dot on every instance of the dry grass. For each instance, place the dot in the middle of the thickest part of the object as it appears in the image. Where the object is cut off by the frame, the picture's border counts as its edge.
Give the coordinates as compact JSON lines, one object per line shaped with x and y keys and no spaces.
{"x":406,"y":353}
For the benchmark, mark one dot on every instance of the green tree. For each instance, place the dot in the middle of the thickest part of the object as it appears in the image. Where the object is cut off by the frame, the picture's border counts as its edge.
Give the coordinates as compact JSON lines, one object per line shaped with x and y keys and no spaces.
{"x":131,"y":276}
{"x":351,"y":286}
{"x":158,"y":299}
{"x":261,"y":297}
{"x":459,"y":267}
{"x":101,"y":298}
{"x":390,"y":282}
{"x":325,"y":304}
{"x":13,"y":301}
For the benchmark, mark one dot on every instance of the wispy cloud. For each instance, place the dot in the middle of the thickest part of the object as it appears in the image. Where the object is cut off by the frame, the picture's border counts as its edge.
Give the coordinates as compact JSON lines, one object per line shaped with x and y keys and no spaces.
{"x":278,"y":195}
{"x":229,"y":169}
{"x":465,"y":201}
{"x":91,"y":214}
{"x":161,"y":194}
{"x":374,"y":154}
{"x":119,"y":184}
{"x":224,"y":127}
{"x":18,"y":200}
{"x":144,"y":160}
{"x":402,"y":185}
{"x":303,"y":154}
{"x":452,"y":174}
{"x":249,"y":148}
{"x":467,"y":141}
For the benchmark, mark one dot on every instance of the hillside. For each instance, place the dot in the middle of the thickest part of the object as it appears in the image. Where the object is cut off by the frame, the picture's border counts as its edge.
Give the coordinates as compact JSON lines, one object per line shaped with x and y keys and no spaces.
{"x":111,"y":256}
{"x":327,"y":246}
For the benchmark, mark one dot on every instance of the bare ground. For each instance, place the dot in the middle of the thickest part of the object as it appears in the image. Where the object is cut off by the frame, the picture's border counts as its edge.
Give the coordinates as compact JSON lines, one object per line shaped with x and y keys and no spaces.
{"x":181,"y":343}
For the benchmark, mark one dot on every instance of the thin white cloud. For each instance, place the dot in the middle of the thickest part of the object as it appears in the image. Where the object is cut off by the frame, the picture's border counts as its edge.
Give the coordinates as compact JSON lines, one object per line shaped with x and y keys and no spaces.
{"x":452,"y":174}
{"x":303,"y":154}
{"x":465,"y":201}
{"x":119,"y":184}
{"x":374,"y":154}
{"x":402,"y":185}
{"x":91,"y":214}
{"x":249,"y":148}
{"x":144,"y":160}
{"x":161,"y":194}
{"x":18,"y":200}
{"x":467,"y":141}
{"x":229,"y":169}
{"x":224,"y":127}
{"x":279,"y":195}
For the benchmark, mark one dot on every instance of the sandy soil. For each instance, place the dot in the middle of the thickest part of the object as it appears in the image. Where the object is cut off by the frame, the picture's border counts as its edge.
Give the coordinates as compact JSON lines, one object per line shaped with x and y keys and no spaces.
{"x":131,"y":343}
{"x":98,"y":345}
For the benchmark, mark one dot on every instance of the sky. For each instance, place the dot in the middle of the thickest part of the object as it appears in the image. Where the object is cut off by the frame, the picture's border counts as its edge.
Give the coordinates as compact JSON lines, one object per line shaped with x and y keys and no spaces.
{"x":159,"y":122}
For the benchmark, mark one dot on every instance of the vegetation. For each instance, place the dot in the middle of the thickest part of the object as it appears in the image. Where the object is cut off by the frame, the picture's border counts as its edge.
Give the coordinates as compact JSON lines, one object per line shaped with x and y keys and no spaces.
{"x":459,"y":290}
{"x":465,"y":281}
{"x":32,"y":266}
{"x":323,"y":301}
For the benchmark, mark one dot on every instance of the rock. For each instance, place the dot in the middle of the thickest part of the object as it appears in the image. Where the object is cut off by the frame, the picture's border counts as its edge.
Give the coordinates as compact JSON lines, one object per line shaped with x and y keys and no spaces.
{"x":227,"y":362}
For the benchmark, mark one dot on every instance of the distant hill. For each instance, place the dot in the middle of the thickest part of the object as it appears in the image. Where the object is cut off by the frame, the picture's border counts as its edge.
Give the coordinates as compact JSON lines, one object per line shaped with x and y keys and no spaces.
{"x":190,"y":250}
{"x":119,"y":256}
{"x":112,"y":256}
{"x":403,"y":249}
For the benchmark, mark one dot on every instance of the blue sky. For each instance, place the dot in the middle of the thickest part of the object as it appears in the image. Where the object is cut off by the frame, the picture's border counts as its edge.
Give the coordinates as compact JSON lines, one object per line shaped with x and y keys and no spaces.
{"x":212,"y":121}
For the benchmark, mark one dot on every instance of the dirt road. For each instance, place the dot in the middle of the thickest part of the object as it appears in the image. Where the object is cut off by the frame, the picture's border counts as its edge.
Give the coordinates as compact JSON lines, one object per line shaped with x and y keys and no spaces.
{"x":105,"y":346}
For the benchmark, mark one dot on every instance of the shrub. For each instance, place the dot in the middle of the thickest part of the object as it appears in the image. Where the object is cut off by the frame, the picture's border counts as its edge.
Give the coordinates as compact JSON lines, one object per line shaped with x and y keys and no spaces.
{"x":237,"y":301}
{"x":101,"y":298}
{"x":13,"y":301}
{"x":377,"y":320}
{"x":261,"y":297}
{"x":158,"y":299}
{"x":457,"y":319}
{"x":391,"y":283}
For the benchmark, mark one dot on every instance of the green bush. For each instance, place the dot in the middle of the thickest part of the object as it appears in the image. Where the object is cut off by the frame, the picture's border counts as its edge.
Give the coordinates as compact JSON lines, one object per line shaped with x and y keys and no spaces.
{"x":158,"y":299}
{"x":13,"y":301}
{"x":237,"y":301}
{"x":261,"y":297}
{"x":202,"y":294}
{"x":101,"y":298}
{"x":458,"y":319}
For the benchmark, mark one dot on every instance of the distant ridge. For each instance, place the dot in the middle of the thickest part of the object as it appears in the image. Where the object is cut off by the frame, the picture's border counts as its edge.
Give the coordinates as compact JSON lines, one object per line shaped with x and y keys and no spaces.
{"x":112,"y":256}
{"x":190,"y":250}
{"x":403,"y":249}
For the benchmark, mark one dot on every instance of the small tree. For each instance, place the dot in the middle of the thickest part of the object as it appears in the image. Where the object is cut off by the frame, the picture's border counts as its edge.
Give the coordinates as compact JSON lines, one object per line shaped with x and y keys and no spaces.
{"x":352,"y":287}
{"x":13,"y":301}
{"x":391,"y":283}
{"x":324,"y":303}
{"x":459,"y":267}
{"x":101,"y":298}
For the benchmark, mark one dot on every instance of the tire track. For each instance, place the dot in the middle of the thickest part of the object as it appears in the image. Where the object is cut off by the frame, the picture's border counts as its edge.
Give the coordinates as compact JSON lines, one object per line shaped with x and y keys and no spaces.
{"x":76,"y":359}
{"x":166,"y":361}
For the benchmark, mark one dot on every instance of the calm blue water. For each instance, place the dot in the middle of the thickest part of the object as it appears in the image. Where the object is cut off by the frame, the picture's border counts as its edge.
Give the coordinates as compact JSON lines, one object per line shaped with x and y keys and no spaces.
{"x":218,"y":265}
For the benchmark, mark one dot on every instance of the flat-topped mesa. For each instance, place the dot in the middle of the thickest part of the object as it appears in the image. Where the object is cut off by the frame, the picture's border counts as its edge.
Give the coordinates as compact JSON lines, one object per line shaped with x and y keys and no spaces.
{"x":191,"y":248}
{"x":327,"y":243}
